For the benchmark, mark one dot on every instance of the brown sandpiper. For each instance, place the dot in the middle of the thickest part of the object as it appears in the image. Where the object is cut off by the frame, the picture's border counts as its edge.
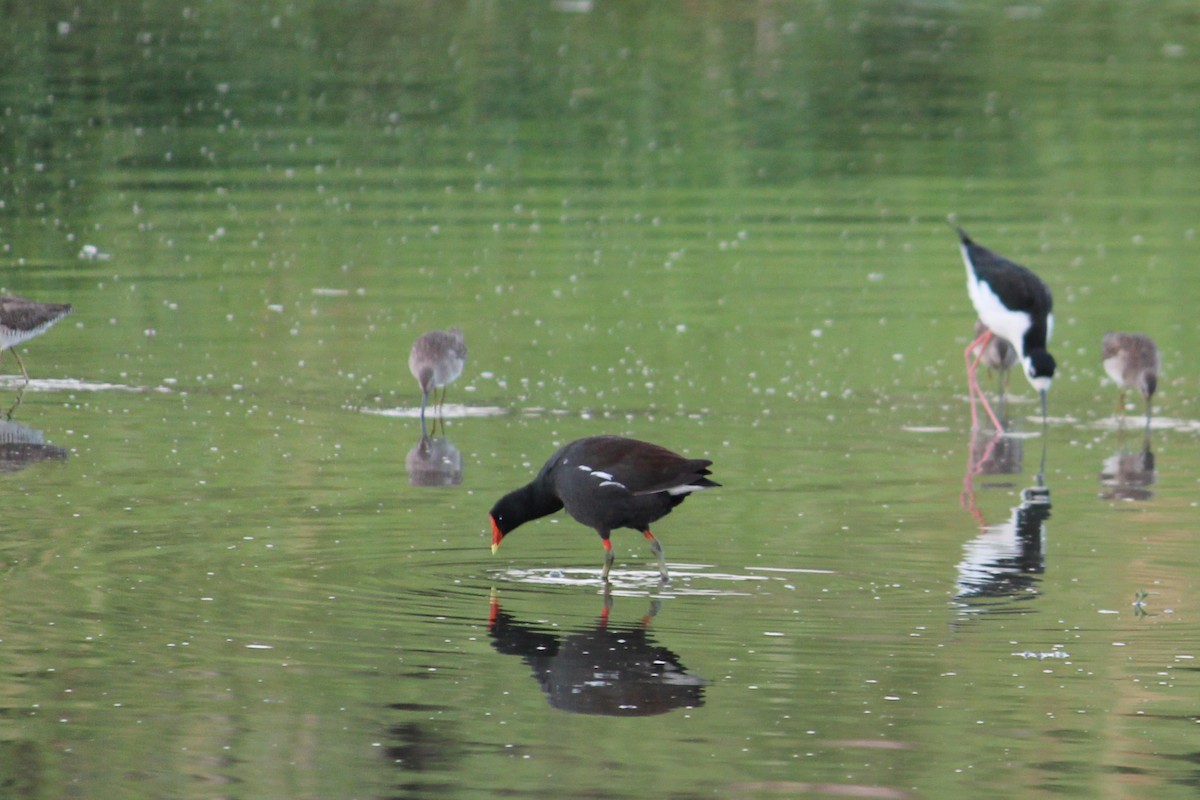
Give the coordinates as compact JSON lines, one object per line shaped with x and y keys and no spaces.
{"x":21,"y":320}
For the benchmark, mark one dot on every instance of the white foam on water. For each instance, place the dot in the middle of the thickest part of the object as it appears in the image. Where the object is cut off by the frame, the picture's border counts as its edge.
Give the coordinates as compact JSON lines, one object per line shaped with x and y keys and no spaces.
{"x":448,"y":411}
{"x":686,"y":580}
{"x":64,"y":385}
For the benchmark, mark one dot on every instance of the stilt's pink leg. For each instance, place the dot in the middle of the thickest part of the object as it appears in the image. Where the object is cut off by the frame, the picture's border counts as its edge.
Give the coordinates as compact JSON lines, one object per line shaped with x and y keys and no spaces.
{"x":973,"y":387}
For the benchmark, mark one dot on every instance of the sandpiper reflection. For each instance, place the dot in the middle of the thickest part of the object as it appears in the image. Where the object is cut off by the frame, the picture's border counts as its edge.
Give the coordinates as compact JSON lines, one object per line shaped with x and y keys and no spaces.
{"x":434,"y":461}
{"x":611,"y":670}
{"x":21,"y":446}
{"x":1129,"y":474}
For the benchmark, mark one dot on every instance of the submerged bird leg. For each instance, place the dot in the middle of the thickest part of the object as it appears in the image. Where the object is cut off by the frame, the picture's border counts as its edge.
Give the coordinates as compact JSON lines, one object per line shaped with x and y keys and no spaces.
{"x":21,"y":396}
{"x":656,"y":548}
{"x":608,"y":558}
{"x":652,"y":612}
{"x":608,"y":604}
{"x":974,"y":467}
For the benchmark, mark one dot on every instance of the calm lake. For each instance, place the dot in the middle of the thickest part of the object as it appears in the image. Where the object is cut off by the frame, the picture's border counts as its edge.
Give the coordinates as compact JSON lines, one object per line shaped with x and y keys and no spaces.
{"x":232,"y":568}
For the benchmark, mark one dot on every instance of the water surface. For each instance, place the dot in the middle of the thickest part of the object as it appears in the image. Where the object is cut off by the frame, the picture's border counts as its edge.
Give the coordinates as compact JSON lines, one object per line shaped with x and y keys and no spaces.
{"x":232,"y":567}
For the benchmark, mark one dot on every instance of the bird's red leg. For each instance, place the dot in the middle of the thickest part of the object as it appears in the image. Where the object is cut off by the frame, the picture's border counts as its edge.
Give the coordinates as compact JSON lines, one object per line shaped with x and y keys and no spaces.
{"x":974,"y":467}
{"x":973,"y":387}
{"x":656,"y":548}
{"x":972,"y":366}
{"x":493,"y":609}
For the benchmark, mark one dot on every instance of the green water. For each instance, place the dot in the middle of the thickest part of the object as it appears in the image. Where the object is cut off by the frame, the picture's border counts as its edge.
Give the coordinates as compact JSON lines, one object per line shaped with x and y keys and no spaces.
{"x":716,"y":226}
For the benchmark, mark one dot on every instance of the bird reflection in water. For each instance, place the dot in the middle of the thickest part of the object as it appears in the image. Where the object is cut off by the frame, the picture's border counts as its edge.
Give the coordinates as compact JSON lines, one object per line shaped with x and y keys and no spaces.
{"x":434,"y":461}
{"x":1128,"y":474}
{"x":1004,"y":563}
{"x":610,"y":670}
{"x":21,"y":446}
{"x":991,"y":452}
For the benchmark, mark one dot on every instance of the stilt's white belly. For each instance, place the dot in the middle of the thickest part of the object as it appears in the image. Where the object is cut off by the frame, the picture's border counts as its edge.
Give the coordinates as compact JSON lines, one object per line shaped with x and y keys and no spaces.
{"x":1011,"y":325}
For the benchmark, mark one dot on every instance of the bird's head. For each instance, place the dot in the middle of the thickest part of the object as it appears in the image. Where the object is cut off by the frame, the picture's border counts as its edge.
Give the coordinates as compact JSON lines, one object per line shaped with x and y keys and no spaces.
{"x":1148,"y":384}
{"x":497,"y":533}
{"x":425,"y":379}
{"x":1039,"y":369}
{"x":520,"y":506}
{"x":504,"y":517}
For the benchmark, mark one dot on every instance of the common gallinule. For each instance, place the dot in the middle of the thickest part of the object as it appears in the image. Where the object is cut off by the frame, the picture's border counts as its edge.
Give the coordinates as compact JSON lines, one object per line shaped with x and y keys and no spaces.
{"x":1131,"y":360}
{"x":1015,"y":305}
{"x":606,"y":482}
{"x":437,"y":359}
{"x":21,"y":320}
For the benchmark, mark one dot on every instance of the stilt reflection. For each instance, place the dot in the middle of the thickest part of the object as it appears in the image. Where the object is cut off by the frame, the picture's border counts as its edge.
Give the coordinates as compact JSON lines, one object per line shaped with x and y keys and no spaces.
{"x":1002,"y":566}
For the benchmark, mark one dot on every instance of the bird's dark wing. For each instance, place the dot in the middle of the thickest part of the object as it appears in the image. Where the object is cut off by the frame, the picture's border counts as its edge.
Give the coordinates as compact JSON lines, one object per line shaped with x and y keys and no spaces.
{"x":646,"y":468}
{"x":1021,"y":289}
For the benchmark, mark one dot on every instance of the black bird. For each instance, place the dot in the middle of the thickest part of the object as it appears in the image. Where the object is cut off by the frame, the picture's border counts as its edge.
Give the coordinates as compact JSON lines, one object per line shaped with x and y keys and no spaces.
{"x":605,"y":482}
{"x":1015,"y":305}
{"x":21,"y":320}
{"x":1131,"y":360}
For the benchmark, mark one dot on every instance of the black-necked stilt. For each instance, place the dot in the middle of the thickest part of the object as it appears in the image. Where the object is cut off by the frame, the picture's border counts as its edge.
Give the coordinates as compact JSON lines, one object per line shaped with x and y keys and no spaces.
{"x":437,"y":359}
{"x":1131,"y":360}
{"x":1014,"y":304}
{"x":21,"y":320}
{"x":606,"y":482}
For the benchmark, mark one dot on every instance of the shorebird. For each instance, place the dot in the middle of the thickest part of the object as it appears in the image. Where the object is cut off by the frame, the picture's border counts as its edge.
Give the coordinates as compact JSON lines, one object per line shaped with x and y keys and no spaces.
{"x":1014,"y":304}
{"x":1131,"y":360}
{"x":21,"y":320}
{"x":437,"y":359}
{"x":606,"y":482}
